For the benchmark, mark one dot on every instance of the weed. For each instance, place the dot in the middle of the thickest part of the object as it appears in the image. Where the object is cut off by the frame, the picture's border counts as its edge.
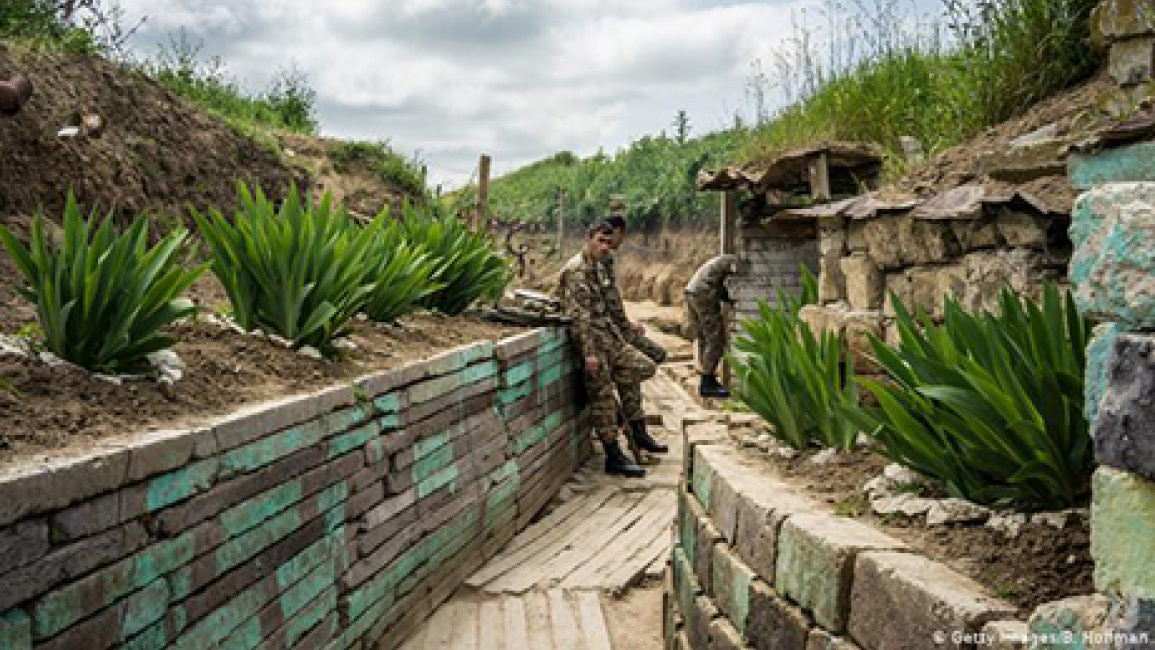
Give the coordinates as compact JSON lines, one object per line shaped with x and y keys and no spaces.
{"x":1006,"y":590}
{"x":853,"y":506}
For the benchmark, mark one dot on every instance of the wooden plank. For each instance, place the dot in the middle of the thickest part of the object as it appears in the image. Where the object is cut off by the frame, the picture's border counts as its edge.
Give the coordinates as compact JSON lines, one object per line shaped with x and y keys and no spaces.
{"x":465,"y":625}
{"x":586,"y":541}
{"x":593,"y":622}
{"x":566,"y":635}
{"x":656,"y":511}
{"x":656,"y":552}
{"x":491,"y":626}
{"x":416,"y":641}
{"x":516,"y":625}
{"x":538,"y":622}
{"x":572,"y":540}
{"x":439,"y":629}
{"x":541,"y":536}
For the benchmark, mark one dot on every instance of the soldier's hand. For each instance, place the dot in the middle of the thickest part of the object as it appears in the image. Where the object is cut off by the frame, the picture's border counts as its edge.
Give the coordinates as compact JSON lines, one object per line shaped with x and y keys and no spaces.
{"x":592,"y":365}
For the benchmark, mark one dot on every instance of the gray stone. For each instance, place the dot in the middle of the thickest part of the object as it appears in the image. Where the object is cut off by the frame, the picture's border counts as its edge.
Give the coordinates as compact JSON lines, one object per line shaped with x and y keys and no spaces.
{"x":1135,"y":627}
{"x":894,"y":241}
{"x":1115,"y":20}
{"x":1007,"y":523}
{"x":976,"y":234}
{"x":1074,"y":616}
{"x":864,"y":282}
{"x":925,"y":288}
{"x":724,"y":636}
{"x":1022,"y":230}
{"x":774,"y":623}
{"x":1124,"y":432}
{"x":1099,"y":353}
{"x":820,"y":639}
{"x":1132,"y":60}
{"x":823,"y":318}
{"x":906,"y":504}
{"x":956,"y":511}
{"x":730,"y":585}
{"x":22,"y":543}
{"x":815,"y":563}
{"x":986,"y":273}
{"x":938,"y":606}
{"x":58,"y":483}
{"x":831,"y":280}
{"x":1005,"y":635}
{"x":1113,"y":267}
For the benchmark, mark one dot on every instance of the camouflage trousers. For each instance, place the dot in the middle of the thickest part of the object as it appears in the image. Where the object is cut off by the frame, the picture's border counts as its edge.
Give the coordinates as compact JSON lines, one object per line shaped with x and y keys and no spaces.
{"x":620,"y":365}
{"x":704,"y":316}
{"x":631,"y":394}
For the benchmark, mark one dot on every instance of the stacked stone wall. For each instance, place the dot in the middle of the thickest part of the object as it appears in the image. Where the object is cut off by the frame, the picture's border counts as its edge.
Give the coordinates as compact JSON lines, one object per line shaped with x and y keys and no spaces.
{"x":336,"y":520}
{"x":772,"y":257}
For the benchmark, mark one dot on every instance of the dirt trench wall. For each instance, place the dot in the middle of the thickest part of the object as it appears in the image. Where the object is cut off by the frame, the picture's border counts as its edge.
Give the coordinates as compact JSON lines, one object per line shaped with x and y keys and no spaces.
{"x":335,"y":520}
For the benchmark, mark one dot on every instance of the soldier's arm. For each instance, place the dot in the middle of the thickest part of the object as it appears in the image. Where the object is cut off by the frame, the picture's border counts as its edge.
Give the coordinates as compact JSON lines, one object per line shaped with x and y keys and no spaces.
{"x":580,"y":295}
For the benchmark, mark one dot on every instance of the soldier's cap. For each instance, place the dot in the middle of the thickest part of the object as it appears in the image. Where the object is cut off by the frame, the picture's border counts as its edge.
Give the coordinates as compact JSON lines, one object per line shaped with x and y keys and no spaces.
{"x":617,"y":221}
{"x":603,"y":227}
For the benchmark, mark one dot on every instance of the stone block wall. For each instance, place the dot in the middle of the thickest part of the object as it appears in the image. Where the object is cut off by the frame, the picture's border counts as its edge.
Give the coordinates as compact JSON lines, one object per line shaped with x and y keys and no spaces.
{"x":757,"y":564}
{"x":335,"y":520}
{"x":771,"y":259}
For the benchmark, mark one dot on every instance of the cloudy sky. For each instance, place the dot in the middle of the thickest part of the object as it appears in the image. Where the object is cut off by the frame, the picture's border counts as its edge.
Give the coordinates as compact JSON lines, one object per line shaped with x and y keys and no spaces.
{"x":520,"y":80}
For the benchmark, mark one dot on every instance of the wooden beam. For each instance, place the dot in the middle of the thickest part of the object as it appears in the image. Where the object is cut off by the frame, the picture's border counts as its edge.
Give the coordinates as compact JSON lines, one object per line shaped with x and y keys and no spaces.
{"x":482,"y":193}
{"x":729,"y":244}
{"x":820,"y":178}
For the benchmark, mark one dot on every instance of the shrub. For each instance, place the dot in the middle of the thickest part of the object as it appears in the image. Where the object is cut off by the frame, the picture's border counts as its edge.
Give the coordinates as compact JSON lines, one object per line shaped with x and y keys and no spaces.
{"x":378,"y":158}
{"x":990,"y":405}
{"x":101,"y":297}
{"x":467,"y":266}
{"x":300,"y":273}
{"x":797,"y":382}
{"x":404,"y":276}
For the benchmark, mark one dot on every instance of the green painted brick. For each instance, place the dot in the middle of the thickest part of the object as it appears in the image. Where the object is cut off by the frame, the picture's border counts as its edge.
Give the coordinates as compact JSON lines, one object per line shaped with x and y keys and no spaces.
{"x":272,"y":448}
{"x":58,"y":610}
{"x":346,"y":442}
{"x":163,"y":557}
{"x":389,"y":422}
{"x":433,"y":463}
{"x":502,"y":493}
{"x":479,"y":372}
{"x":1122,"y":533}
{"x":220,"y":623}
{"x":388,"y":403}
{"x":434,"y":388}
{"x":311,"y":616}
{"x":518,"y":373}
{"x":154,"y":638}
{"x":447,"y":476}
{"x":344,"y":419}
{"x":507,"y":396}
{"x":701,"y":480}
{"x":302,"y":564}
{"x":237,"y":550}
{"x":144,"y":608}
{"x":548,"y":376}
{"x":296,"y":597}
{"x":180,"y":484}
{"x":375,"y":451}
{"x":731,"y":580}
{"x":247,"y":514}
{"x":1135,"y":163}
{"x":15,"y":630}
{"x":246,"y":636}
{"x":507,"y":470}
{"x":423,"y":448}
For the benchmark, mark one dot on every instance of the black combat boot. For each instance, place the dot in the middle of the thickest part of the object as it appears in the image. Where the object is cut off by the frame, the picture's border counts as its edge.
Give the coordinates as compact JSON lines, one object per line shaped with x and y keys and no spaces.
{"x":618,"y":463}
{"x":711,"y":388}
{"x":644,"y":440}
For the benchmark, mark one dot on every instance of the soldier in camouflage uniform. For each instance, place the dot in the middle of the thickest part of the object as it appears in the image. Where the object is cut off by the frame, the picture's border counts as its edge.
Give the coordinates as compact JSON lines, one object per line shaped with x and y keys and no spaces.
{"x":634,"y":333}
{"x":705,"y":294}
{"x":608,"y":359}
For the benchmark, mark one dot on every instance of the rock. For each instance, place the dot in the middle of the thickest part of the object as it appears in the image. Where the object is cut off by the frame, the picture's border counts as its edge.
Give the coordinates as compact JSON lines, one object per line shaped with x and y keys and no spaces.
{"x":986,"y":273}
{"x":864,"y":282}
{"x":277,"y":339}
{"x":926,"y":287}
{"x":169,"y":367}
{"x":344,"y":344}
{"x":975,"y":234}
{"x":15,"y":346}
{"x":831,"y":281}
{"x":1039,"y":159}
{"x":1115,"y":20}
{"x":1007,"y":523}
{"x":902,"y":474}
{"x":824,"y":457}
{"x":1055,"y":519}
{"x":1034,"y":137}
{"x":1099,"y":352}
{"x":1135,"y":624}
{"x":894,"y":241}
{"x":1022,"y":230}
{"x":1122,"y":528}
{"x":1073,"y":616}
{"x":823,"y":318}
{"x":860,"y":326}
{"x":310,"y":352}
{"x":1113,"y":266}
{"x":1131,"y":61}
{"x":1005,"y":635}
{"x":1124,"y":432}
{"x":905,"y":504}
{"x":956,"y":511}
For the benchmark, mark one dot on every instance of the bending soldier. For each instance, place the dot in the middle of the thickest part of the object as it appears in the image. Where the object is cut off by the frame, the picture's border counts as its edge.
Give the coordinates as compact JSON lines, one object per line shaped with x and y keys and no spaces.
{"x":705,"y":294}
{"x":608,"y":359}
{"x":635,"y":335}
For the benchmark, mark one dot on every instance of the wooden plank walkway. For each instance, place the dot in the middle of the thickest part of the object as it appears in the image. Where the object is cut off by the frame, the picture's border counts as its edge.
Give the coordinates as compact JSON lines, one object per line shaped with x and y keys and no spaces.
{"x":604,"y":534}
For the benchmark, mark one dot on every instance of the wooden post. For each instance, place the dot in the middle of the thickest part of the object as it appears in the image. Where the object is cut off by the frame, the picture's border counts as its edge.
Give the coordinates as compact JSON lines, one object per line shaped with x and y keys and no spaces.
{"x":482,"y":193}
{"x":561,"y":224}
{"x":819,"y":178}
{"x":728,"y":238}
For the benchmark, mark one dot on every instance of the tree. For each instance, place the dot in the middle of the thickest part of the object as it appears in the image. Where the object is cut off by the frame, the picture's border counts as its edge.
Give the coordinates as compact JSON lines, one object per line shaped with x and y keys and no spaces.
{"x":681,"y":127}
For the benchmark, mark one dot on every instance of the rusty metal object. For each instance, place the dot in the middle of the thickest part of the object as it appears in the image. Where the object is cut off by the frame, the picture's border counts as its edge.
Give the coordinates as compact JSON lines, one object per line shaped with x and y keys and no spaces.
{"x":14,"y":93}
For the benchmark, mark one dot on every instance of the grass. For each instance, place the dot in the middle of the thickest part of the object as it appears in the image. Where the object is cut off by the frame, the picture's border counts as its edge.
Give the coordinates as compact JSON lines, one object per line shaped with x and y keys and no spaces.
{"x":853,"y":506}
{"x":393,"y":168}
{"x":887,"y":77}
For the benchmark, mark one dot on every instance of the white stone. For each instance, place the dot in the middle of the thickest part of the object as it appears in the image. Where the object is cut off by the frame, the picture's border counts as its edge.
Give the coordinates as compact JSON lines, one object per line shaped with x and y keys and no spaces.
{"x":311,"y":352}
{"x":824,"y":457}
{"x":956,"y":511}
{"x":1007,"y":523}
{"x":344,"y":344}
{"x":907,"y":504}
{"x":280,"y":340}
{"x":1054,"y":519}
{"x":169,"y":366}
{"x":1035,"y":137}
{"x":14,"y":346}
{"x":901,"y":474}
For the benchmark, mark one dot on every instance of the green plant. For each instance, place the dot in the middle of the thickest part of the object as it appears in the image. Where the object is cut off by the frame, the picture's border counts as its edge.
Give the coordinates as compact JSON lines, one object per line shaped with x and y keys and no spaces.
{"x":101,"y":297}
{"x":301,"y":272}
{"x":796,"y":381}
{"x":380,"y":159}
{"x":990,"y":405}
{"x":466,"y":265}
{"x":404,"y":276}
{"x":853,"y":506}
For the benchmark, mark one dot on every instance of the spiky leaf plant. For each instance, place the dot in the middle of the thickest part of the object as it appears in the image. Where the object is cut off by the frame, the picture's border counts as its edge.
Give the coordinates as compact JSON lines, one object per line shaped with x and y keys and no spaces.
{"x":102,"y":297}
{"x":467,"y":266}
{"x":301,"y":272}
{"x":404,"y":277}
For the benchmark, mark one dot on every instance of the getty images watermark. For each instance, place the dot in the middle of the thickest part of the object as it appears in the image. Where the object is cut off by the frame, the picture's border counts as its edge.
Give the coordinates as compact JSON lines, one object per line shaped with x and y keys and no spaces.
{"x":1044,"y":639}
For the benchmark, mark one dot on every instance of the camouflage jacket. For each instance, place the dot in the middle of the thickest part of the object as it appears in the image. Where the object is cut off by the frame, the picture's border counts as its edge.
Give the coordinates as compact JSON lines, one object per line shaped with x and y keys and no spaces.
{"x":584,"y":301}
{"x":710,"y":278}
{"x":609,"y":284}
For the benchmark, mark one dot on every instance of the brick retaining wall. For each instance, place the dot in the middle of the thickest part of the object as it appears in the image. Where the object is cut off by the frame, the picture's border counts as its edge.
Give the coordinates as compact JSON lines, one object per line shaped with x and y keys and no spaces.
{"x":335,"y":520}
{"x":757,"y":564}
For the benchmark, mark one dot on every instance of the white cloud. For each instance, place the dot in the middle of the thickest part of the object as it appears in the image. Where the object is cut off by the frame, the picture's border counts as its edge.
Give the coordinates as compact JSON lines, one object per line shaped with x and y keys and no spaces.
{"x":518,"y":79}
